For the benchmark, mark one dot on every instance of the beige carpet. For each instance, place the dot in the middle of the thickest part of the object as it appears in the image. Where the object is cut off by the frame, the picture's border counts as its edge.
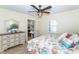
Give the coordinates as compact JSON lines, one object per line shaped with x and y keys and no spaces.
{"x":20,"y":49}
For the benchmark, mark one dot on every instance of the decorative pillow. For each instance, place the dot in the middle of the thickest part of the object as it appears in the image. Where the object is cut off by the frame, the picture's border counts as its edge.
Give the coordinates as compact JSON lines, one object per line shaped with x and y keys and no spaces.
{"x":69,"y":40}
{"x":77,"y":43}
{"x":72,"y":38}
{"x":67,"y":43}
{"x":62,"y":36}
{"x":68,"y":35}
{"x":75,"y":38}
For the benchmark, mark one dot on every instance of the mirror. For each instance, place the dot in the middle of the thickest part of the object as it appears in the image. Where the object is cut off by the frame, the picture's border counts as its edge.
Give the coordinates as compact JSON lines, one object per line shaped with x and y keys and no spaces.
{"x":12,"y":26}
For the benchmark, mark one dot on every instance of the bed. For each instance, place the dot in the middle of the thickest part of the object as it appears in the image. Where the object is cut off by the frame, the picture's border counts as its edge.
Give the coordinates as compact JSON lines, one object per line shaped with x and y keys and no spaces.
{"x":53,"y":44}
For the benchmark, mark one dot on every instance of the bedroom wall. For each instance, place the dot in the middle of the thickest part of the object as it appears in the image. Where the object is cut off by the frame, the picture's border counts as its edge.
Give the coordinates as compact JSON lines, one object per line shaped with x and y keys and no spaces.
{"x":67,"y":22}
{"x":6,"y":14}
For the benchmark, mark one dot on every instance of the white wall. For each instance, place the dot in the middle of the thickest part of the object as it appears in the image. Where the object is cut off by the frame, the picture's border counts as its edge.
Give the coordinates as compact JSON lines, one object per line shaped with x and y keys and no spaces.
{"x":6,"y":14}
{"x":67,"y":22}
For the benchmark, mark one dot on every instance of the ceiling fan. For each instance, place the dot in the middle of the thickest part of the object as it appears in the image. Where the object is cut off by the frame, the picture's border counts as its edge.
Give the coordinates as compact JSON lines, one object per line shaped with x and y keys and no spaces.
{"x":40,"y":11}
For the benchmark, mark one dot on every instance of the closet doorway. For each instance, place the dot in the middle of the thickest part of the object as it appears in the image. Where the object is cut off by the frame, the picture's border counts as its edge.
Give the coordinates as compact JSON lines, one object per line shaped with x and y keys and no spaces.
{"x":31,"y":29}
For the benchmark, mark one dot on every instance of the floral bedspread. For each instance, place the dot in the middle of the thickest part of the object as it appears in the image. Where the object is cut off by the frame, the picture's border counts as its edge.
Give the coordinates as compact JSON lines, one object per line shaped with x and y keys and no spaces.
{"x":46,"y":45}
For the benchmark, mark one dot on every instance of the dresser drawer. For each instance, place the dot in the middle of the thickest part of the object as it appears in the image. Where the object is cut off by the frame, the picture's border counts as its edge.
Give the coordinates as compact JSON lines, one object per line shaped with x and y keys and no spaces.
{"x":11,"y":44}
{"x":17,"y":38}
{"x":5,"y":37}
{"x":11,"y":40}
{"x":4,"y":47}
{"x":22,"y":36}
{"x":17,"y":35}
{"x":17,"y":42}
{"x":22,"y":41}
{"x":4,"y":42}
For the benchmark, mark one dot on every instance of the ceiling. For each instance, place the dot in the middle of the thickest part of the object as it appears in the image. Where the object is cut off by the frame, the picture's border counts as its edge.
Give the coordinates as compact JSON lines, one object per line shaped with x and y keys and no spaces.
{"x":26,"y":8}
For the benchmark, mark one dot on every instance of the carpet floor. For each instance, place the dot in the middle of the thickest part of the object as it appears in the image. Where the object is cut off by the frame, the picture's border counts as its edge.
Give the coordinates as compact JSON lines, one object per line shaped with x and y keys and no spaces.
{"x":20,"y":49}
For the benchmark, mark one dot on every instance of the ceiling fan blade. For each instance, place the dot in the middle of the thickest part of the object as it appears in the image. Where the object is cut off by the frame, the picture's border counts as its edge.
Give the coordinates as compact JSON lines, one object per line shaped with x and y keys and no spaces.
{"x":46,"y":12}
{"x":35,"y":7}
{"x":47,"y":8}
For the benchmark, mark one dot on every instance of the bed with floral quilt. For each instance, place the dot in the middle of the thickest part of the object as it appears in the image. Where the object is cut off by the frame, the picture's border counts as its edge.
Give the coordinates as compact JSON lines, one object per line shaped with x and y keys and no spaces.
{"x":66,"y":43}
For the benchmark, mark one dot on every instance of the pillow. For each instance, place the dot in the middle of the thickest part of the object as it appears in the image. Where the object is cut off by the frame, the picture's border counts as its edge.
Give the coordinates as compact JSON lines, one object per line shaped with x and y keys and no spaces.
{"x":69,"y":40}
{"x":72,"y":38}
{"x":76,"y":42}
{"x":75,"y":38}
{"x":68,"y":35}
{"x":62,"y":36}
{"x":67,"y":43}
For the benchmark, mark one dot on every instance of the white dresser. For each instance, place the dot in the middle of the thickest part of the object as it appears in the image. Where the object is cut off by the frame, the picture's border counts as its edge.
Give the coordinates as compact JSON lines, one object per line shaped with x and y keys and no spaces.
{"x":8,"y":40}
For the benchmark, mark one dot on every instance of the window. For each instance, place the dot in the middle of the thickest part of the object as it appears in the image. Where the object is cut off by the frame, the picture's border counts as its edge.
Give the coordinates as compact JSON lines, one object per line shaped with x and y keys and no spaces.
{"x":52,"y":26}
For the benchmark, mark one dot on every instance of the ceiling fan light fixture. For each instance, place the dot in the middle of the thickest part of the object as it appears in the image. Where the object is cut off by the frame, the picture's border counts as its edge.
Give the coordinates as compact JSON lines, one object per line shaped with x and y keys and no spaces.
{"x":40,"y":14}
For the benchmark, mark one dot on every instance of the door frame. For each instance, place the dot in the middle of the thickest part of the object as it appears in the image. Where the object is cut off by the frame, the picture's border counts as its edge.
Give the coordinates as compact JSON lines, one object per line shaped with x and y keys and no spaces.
{"x":27,"y":26}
